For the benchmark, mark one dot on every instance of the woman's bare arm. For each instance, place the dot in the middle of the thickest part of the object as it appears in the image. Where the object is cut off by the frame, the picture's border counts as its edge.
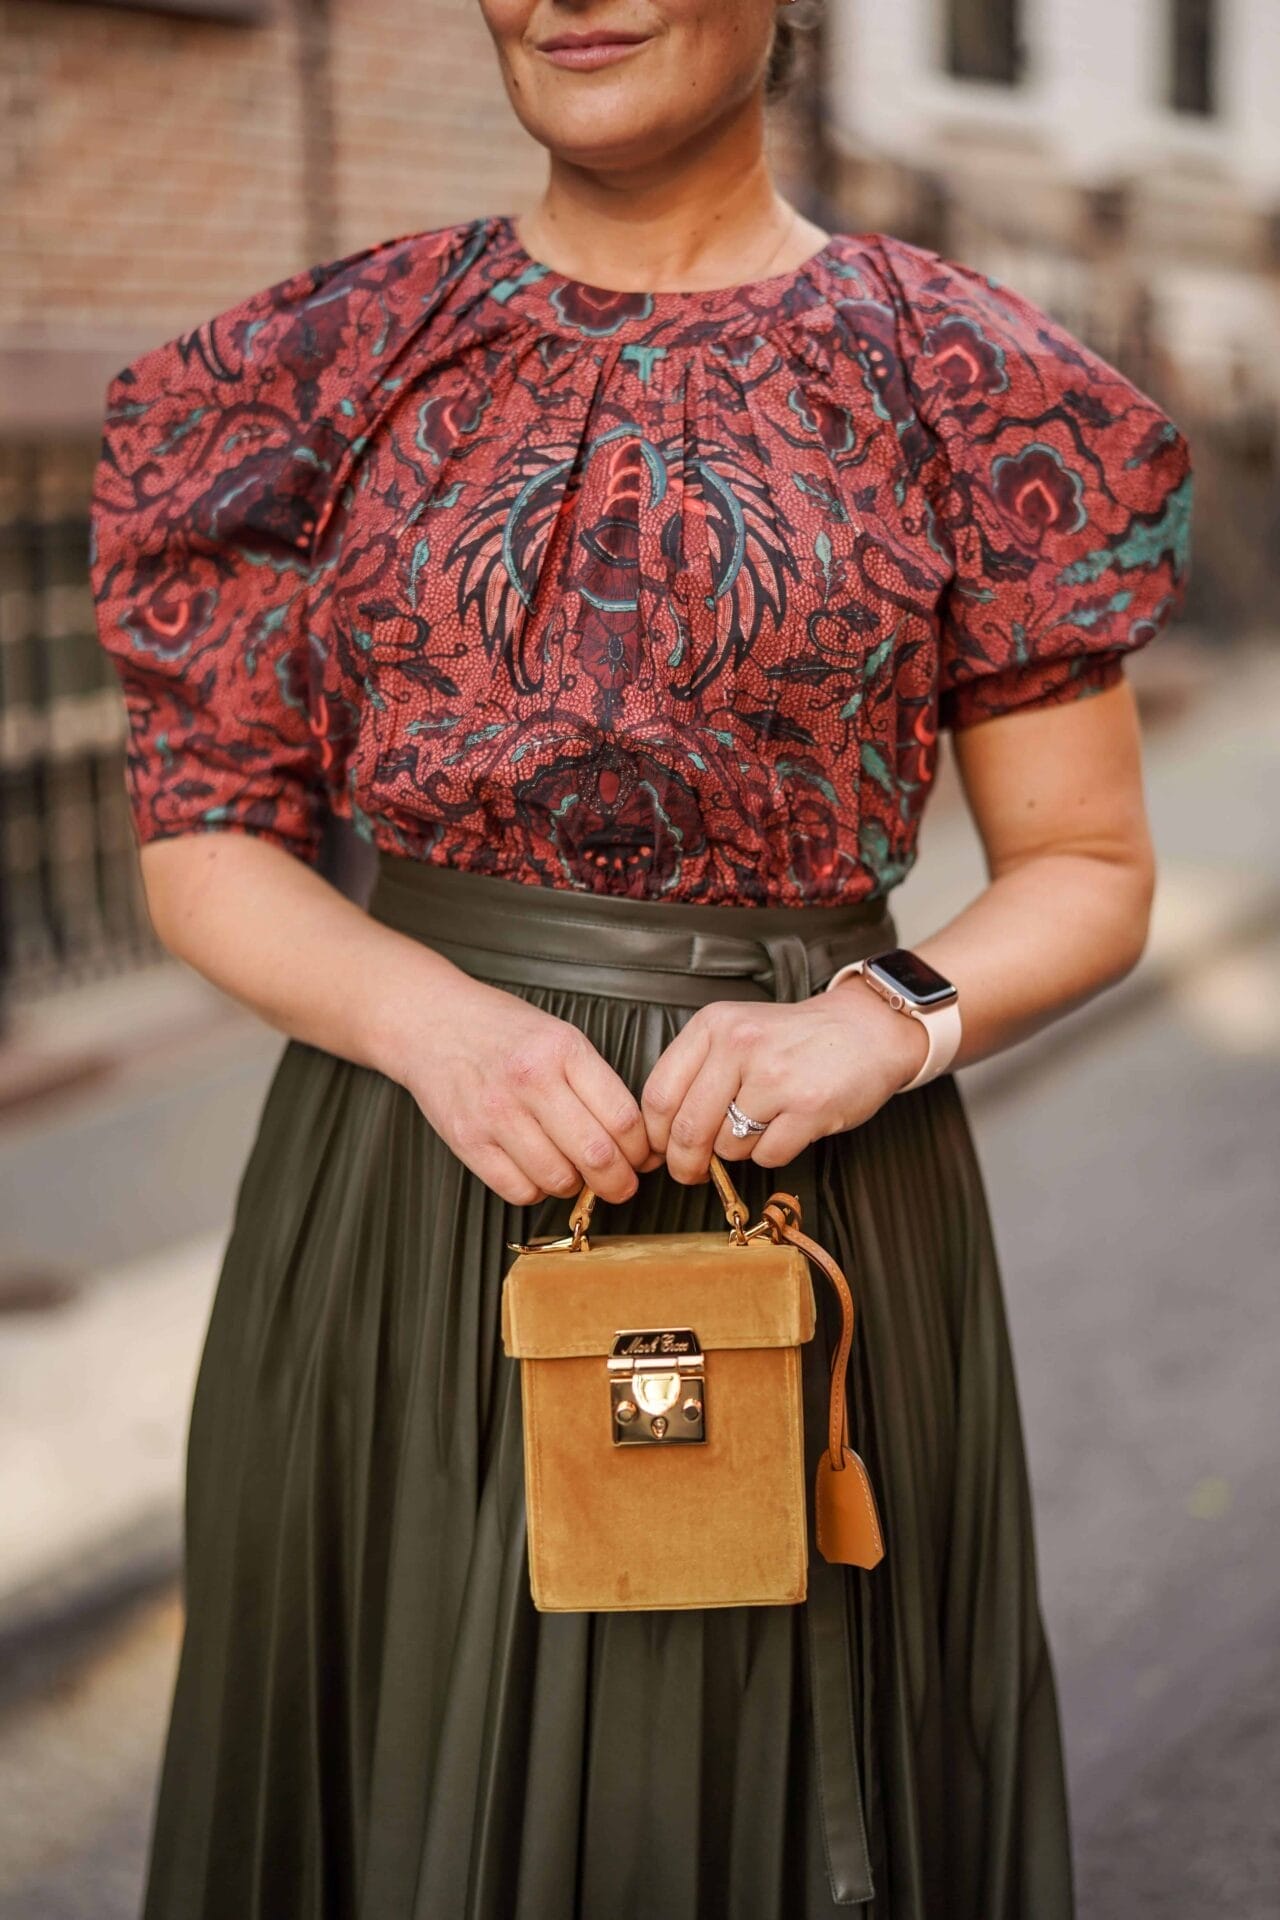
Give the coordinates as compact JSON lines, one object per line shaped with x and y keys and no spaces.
{"x":1056,"y":794}
{"x":521,"y":1096}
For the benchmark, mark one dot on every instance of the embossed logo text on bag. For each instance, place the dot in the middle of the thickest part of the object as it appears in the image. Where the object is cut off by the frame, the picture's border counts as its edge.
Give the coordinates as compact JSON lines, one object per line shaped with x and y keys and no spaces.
{"x":667,"y":1343}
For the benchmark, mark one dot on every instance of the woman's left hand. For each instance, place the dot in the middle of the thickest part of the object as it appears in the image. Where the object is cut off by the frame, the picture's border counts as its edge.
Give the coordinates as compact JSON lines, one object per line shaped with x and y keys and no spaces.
{"x":807,"y":1068}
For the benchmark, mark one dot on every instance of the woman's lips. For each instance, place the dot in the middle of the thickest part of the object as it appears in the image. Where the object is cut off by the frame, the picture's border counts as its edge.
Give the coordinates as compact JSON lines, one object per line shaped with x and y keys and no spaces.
{"x":583,"y":55}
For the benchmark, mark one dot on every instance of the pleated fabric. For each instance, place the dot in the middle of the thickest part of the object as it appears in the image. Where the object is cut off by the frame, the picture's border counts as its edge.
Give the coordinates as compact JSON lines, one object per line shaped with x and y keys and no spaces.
{"x":372,"y":1722}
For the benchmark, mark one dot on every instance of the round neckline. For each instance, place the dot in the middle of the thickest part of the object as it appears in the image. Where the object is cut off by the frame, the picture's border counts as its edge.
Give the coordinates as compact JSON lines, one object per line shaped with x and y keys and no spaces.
{"x":653,"y":304}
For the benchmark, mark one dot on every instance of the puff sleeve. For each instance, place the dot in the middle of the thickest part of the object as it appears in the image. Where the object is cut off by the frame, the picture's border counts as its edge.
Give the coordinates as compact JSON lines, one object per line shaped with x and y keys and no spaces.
{"x":223,"y":460}
{"x":1061,"y":493}
{"x":205,"y":501}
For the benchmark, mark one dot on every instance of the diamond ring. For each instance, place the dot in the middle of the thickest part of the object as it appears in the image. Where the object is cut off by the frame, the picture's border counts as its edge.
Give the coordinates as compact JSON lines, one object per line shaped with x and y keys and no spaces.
{"x":741,"y":1124}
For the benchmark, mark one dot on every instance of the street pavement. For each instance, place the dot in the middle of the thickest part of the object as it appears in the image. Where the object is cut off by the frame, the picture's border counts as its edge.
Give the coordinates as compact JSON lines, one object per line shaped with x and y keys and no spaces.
{"x":1132,"y":1165}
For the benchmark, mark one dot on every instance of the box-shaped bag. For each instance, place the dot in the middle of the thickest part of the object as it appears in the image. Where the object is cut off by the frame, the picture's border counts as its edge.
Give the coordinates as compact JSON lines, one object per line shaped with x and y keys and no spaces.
{"x":662,"y":1415}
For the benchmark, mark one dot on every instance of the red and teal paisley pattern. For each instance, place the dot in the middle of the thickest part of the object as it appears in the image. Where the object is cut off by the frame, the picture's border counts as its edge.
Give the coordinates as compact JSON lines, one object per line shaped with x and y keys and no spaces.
{"x":664,"y":595}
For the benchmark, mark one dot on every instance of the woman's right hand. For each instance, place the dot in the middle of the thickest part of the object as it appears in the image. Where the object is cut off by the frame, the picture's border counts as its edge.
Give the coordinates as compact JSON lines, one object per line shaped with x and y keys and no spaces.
{"x":524,"y":1099}
{"x":521,"y":1097}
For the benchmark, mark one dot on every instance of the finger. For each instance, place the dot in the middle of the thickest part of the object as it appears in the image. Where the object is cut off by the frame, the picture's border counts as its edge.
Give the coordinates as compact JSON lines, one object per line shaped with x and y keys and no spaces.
{"x":607,"y":1096}
{"x":670,"y":1079}
{"x":701,"y":1116}
{"x":540,"y":1156}
{"x":499,"y":1171}
{"x":760,"y":1100}
{"x":782,"y":1141}
{"x":584,"y":1141}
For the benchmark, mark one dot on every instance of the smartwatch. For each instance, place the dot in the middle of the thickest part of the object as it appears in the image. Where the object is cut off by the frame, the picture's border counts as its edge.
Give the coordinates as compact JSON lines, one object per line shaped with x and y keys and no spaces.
{"x":912,"y":986}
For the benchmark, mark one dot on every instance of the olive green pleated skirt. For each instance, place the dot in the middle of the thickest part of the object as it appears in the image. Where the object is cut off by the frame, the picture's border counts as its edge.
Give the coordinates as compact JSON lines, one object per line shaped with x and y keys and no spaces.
{"x":372,"y":1722}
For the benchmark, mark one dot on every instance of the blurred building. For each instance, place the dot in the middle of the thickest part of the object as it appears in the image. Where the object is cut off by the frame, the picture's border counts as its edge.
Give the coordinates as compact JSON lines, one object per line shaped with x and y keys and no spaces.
{"x":1118,"y":159}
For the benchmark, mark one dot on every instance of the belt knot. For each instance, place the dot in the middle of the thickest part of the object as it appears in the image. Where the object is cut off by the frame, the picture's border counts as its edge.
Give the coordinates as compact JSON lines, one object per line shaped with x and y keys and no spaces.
{"x":789,"y":966}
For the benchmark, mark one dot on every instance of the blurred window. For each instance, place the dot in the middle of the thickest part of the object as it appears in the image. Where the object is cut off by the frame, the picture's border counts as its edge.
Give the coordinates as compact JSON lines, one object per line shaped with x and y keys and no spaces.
{"x":1194,"y":46}
{"x":984,"y":40}
{"x":71,"y":903}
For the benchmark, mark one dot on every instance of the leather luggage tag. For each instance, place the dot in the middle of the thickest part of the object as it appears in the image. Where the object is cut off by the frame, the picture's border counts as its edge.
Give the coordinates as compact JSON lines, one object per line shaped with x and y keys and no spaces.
{"x":848,"y":1525}
{"x":846,"y":1520}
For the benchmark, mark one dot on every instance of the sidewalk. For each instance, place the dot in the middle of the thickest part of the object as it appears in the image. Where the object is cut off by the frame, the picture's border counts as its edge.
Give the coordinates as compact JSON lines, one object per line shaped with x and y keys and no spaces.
{"x":94,"y":1394}
{"x":93,"y":1405}
{"x":81,"y":1038}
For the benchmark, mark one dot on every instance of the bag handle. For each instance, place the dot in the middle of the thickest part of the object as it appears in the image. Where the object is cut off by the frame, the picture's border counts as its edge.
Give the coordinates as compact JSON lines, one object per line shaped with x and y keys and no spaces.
{"x":782,"y":1213}
{"x":734,"y":1211}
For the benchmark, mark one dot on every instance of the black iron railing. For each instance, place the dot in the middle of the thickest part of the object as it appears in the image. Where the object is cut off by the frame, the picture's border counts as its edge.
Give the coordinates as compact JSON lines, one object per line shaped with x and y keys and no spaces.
{"x":71,"y":905}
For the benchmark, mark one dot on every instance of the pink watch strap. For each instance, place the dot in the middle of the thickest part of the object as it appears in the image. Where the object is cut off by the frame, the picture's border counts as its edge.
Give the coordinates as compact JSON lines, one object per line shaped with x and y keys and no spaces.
{"x":942,"y":1026}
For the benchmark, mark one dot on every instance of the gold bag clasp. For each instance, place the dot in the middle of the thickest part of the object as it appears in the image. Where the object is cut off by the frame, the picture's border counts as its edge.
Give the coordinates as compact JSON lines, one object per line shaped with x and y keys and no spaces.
{"x":657,"y":1387}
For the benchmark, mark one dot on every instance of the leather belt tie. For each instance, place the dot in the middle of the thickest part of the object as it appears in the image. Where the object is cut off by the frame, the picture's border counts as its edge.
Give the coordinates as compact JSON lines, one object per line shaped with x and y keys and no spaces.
{"x":671,"y":954}
{"x":826,"y":1614}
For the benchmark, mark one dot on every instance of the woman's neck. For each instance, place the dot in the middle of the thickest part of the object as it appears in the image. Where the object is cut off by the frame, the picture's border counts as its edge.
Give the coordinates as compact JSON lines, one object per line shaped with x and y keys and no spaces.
{"x":706,"y":218}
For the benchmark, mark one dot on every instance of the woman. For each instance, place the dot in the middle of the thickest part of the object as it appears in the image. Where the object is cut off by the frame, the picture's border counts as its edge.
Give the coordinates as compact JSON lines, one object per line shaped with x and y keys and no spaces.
{"x":613,"y":570}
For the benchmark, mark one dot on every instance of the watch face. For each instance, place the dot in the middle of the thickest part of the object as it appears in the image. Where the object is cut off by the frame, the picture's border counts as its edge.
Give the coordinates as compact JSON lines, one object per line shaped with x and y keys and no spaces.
{"x":919,"y":984}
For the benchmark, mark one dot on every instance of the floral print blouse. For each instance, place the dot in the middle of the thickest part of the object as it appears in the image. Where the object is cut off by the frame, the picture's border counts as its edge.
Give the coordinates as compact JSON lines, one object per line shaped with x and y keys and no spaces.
{"x":664,"y":595}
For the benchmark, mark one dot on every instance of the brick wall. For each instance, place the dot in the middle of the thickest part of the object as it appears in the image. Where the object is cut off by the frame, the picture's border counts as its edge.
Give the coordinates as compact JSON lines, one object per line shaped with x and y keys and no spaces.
{"x":155,"y":169}
{"x":152,"y":168}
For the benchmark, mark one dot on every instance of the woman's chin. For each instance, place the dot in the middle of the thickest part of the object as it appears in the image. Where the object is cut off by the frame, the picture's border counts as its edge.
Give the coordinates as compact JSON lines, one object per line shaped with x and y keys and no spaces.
{"x":607,"y":142}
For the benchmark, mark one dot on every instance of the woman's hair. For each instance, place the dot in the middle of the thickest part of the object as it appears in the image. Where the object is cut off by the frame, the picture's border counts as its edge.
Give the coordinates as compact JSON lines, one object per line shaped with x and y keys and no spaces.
{"x":790,"y":24}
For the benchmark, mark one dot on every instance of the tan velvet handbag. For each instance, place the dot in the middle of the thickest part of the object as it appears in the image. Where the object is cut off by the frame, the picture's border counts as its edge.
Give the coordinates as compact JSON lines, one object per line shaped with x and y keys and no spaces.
{"x":663,"y":1430}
